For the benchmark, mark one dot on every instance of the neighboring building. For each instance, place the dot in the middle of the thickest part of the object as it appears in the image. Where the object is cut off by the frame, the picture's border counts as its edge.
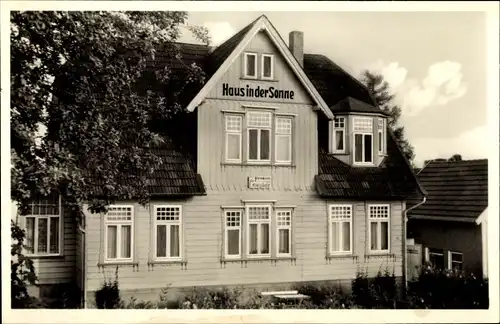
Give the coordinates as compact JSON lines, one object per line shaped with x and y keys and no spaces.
{"x":451,"y":226}
{"x":287,"y":172}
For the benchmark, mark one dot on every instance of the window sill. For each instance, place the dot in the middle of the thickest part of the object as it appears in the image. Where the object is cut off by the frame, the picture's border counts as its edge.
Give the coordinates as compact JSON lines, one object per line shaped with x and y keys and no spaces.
{"x":341,"y":256}
{"x":258,"y":259}
{"x":155,"y":262}
{"x":246,"y":78}
{"x":340,"y":153}
{"x":266,"y":164}
{"x":118,"y":264}
{"x":45,"y":256}
{"x":373,"y":255}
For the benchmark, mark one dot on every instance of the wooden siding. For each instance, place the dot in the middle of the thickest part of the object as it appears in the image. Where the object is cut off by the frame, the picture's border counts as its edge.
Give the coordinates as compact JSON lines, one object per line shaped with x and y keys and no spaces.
{"x":284,"y":77}
{"x":203,"y":236}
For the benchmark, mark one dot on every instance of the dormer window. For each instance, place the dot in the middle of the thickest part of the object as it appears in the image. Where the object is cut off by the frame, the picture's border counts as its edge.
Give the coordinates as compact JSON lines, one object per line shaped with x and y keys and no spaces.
{"x":250,"y":67}
{"x":267,"y":66}
{"x":381,"y":136}
{"x":339,"y":134}
{"x":363,"y":140}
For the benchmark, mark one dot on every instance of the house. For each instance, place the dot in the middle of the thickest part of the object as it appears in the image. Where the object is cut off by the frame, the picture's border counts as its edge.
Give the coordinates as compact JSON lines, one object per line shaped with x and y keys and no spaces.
{"x":283,"y":171}
{"x":451,"y":226}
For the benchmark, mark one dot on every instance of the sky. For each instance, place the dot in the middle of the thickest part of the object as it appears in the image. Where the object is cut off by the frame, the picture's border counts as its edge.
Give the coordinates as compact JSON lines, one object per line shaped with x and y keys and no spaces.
{"x":435,"y":63}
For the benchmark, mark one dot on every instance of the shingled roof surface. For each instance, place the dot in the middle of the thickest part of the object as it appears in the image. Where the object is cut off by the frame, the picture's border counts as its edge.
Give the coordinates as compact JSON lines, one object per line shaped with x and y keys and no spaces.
{"x":457,"y":190}
{"x":353,"y":105}
{"x":393,"y":179}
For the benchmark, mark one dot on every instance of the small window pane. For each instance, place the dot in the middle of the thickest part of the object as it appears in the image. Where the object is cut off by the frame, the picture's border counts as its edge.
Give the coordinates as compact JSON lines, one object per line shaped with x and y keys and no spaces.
{"x":283,"y":148}
{"x":264,"y":249}
{"x":233,"y":146}
{"x":126,"y":238}
{"x":373,"y":234}
{"x":42,"y":235}
{"x":380,"y":141}
{"x":174,"y":241}
{"x":264,"y":144}
{"x":30,"y":235}
{"x":252,"y":134}
{"x":284,"y":241}
{"x":233,"y":242}
{"x":368,"y":148}
{"x":384,"y":233}
{"x":339,"y":140}
{"x":54,"y":235}
{"x":267,"y":66}
{"x":335,"y":237}
{"x":358,"y":147}
{"x":161,"y":241}
{"x":250,"y":65}
{"x":253,"y":239}
{"x":346,"y":236}
{"x":112,"y":242}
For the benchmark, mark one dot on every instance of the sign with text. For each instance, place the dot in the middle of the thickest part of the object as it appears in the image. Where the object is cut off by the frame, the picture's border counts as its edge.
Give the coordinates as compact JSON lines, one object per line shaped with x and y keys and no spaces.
{"x":257,"y":92}
{"x":263,"y":182}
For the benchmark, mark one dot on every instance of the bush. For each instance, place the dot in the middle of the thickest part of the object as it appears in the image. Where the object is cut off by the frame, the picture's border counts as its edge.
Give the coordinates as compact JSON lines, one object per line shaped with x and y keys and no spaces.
{"x":109,"y":294}
{"x":325,"y":296}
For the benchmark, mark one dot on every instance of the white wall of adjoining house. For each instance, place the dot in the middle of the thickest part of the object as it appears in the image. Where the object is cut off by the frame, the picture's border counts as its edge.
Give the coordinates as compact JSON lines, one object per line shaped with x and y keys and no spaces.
{"x":483,"y":218}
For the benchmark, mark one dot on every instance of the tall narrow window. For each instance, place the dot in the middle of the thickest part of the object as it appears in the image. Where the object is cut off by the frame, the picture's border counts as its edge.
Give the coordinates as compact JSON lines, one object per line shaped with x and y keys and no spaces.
{"x":363,"y":140}
{"x":259,"y":136}
{"x":44,"y":227}
{"x":284,"y":232}
{"x":168,"y":225}
{"x":455,"y":260}
{"x":250,"y":65}
{"x":233,"y":233}
{"x":379,"y":230}
{"x":267,"y":66}
{"x":233,"y":138}
{"x":340,"y":229}
{"x":381,"y":135}
{"x":283,"y":142}
{"x":339,"y":134}
{"x":119,"y":225}
{"x":259,"y":225}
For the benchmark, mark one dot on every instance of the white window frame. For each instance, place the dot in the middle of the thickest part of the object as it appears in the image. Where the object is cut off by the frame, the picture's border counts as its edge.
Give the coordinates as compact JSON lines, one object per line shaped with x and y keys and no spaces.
{"x":278,"y":134}
{"x":35,"y":229}
{"x":119,"y":224}
{"x":262,"y":67}
{"x":363,"y":133}
{"x":450,"y":261}
{"x":168,"y":224}
{"x":259,"y":223}
{"x":334,"y":134}
{"x":379,"y":229}
{"x":227,"y":228}
{"x":259,"y":134}
{"x":233,"y":133}
{"x":381,"y":135}
{"x":339,"y":221}
{"x":283,"y":227}
{"x":245,"y":65}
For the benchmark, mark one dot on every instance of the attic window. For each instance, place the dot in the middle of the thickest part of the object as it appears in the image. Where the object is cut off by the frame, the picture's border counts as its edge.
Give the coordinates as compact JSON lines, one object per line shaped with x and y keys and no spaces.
{"x":363,"y":140}
{"x":339,"y":134}
{"x":267,"y":66}
{"x":381,"y":136}
{"x":250,"y":65}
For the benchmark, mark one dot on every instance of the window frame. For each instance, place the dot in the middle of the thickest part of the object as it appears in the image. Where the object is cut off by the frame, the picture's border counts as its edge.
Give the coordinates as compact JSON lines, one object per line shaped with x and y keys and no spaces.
{"x":271,"y":77}
{"x":259,"y":136}
{"x":228,"y":228}
{"x":283,"y":134}
{"x":379,"y":229}
{"x":283,"y":227}
{"x":450,"y":260}
{"x":334,"y":134}
{"x":168,"y":224}
{"x":340,"y":221}
{"x":227,"y":133}
{"x":259,"y":223}
{"x":118,"y":225}
{"x":363,"y":134}
{"x":381,"y":135}
{"x":245,"y":65}
{"x":36,"y":219}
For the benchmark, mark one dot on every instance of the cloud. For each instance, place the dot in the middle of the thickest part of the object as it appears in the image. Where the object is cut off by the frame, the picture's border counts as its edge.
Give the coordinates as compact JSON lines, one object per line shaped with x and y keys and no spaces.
{"x":442,"y":84}
{"x":219,"y":31}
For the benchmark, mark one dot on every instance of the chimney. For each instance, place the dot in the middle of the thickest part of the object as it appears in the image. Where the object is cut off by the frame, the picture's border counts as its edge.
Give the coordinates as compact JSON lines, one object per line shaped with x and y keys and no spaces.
{"x":296,"y":45}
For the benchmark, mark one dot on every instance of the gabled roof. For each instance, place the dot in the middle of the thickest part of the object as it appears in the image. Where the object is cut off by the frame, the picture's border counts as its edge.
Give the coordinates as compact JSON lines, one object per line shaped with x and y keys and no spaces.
{"x":351,"y":105}
{"x":457,"y":190}
{"x":232,"y":48}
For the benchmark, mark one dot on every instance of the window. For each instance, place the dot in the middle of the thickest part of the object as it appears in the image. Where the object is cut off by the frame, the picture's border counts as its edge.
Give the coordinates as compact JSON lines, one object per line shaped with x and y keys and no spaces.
{"x":363,"y":133}
{"x":267,"y":66}
{"x":119,"y":226}
{"x":250,"y":65}
{"x":339,"y":134}
{"x":455,"y":260}
{"x":379,"y":235}
{"x":233,"y":233}
{"x":259,"y":139}
{"x":168,"y":235}
{"x":233,"y":138}
{"x":435,"y":257}
{"x":340,"y":229}
{"x":284,"y":232}
{"x":381,"y":137}
{"x":259,"y":224}
{"x":43,"y":226}
{"x":283,"y":140}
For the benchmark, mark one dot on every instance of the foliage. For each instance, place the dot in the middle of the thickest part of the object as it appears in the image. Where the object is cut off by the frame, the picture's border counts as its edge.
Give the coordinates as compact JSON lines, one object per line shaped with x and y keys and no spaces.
{"x":77,"y":76}
{"x":324,"y":296}
{"x":380,"y":90}
{"x":108,"y":296}
{"x":455,"y":157}
{"x":22,"y":272}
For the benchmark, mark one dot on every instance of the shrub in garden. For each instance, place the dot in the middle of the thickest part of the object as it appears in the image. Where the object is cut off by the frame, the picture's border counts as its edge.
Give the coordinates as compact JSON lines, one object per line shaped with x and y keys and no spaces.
{"x":324,"y":296}
{"x":108,"y":296}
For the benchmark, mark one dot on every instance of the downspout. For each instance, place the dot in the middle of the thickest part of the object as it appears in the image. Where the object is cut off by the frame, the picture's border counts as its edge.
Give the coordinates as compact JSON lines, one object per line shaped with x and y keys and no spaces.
{"x":405,"y":252}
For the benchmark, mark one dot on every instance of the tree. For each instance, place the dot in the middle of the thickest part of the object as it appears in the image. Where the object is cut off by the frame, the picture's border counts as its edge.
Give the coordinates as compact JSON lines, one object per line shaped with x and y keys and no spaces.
{"x":380,"y":90}
{"x":455,"y":157}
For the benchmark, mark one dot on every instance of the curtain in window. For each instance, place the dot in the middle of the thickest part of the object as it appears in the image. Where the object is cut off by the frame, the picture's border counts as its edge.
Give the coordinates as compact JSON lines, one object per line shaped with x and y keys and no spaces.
{"x":233,"y":241}
{"x":346,"y":236}
{"x":54,"y":235}
{"x":174,"y":241}
{"x":233,"y":146}
{"x":126,"y":236}
{"x":335,"y":237}
{"x":265,"y":239}
{"x":161,"y":241}
{"x":358,"y":148}
{"x":339,"y":140}
{"x":264,"y":144}
{"x":373,"y":234}
{"x":112,"y":242}
{"x":284,"y":241}
{"x":30,"y":234}
{"x":253,"y":239}
{"x":42,"y":235}
{"x":252,"y":133}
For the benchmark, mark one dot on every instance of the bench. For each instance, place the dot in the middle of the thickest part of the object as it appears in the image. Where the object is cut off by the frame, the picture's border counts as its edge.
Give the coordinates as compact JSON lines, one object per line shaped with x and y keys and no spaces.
{"x":286,"y":296}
